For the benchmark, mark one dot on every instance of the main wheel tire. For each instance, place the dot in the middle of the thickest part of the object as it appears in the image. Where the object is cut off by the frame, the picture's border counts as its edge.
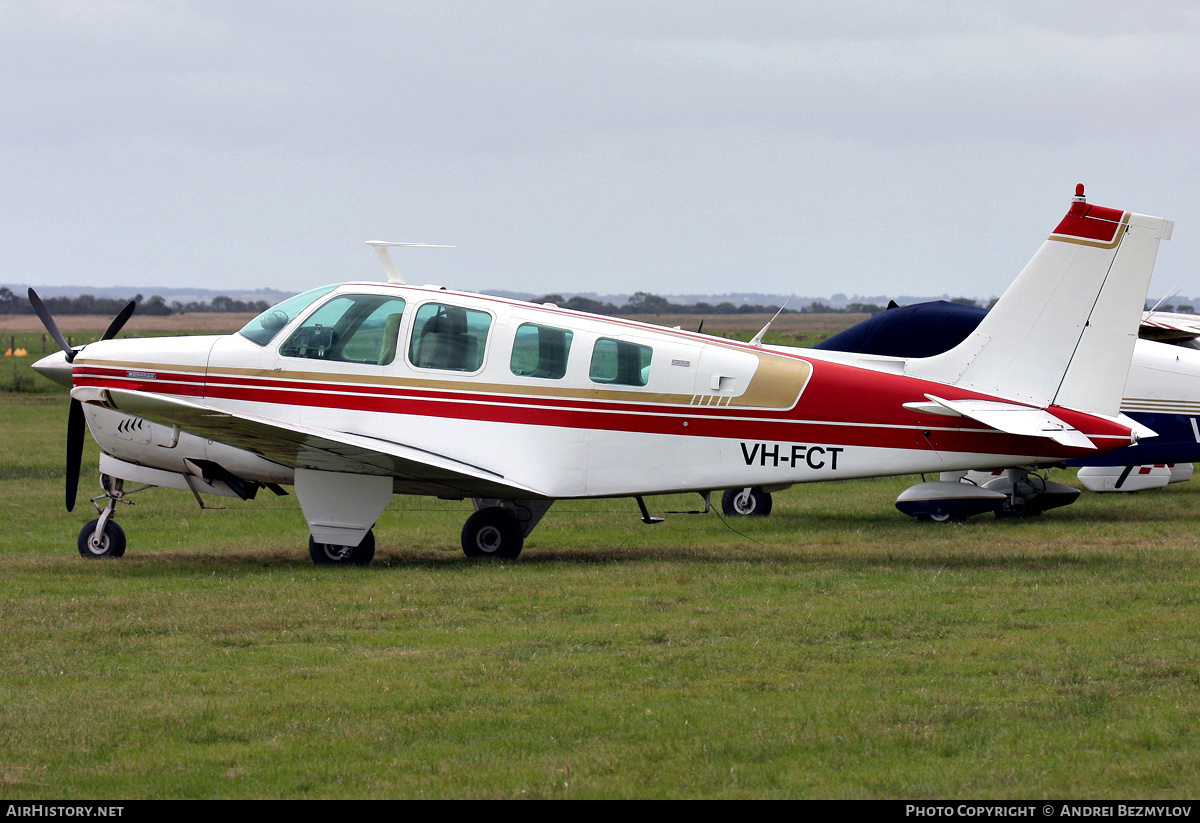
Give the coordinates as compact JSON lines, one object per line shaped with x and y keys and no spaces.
{"x":110,"y":544}
{"x":942,"y":517}
{"x":1027,"y":511}
{"x":752,"y":502}
{"x":329,"y":554}
{"x":493,"y":532}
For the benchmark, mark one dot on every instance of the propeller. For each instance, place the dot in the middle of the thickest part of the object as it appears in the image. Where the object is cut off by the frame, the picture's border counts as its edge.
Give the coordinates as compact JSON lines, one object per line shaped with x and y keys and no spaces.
{"x":75,"y":429}
{"x":44,"y":315}
{"x":76,"y":425}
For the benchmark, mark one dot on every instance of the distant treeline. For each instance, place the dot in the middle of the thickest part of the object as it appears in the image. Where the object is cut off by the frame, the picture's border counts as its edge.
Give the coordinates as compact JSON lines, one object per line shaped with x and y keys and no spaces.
{"x":645,"y":303}
{"x":640,"y":303}
{"x":157,"y":306}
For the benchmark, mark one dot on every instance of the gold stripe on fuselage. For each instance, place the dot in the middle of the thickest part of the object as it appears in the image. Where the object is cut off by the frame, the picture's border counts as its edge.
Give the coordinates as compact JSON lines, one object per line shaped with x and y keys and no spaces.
{"x":776,"y":384}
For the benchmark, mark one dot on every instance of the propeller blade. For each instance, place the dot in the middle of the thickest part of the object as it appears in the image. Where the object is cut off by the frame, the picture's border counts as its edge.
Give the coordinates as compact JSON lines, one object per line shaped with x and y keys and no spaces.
{"x":122,"y":316}
{"x":40,"y":308}
{"x":75,"y":429}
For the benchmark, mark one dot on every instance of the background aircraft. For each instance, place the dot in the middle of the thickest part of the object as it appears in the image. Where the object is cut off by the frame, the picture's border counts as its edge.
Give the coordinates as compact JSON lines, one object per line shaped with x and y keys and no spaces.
{"x":1162,"y":393}
{"x":354,"y":392}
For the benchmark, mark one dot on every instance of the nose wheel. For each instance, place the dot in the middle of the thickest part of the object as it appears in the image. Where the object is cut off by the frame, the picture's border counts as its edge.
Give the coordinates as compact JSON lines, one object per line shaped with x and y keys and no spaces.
{"x":101,"y":539}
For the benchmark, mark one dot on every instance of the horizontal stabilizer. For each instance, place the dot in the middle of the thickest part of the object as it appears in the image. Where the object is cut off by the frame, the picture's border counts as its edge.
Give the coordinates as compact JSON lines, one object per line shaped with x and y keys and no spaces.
{"x":1009,"y":418}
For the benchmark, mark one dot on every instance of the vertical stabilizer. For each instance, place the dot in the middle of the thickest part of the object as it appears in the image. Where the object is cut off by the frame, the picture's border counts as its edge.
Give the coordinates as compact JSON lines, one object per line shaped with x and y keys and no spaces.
{"x":1063,"y":333}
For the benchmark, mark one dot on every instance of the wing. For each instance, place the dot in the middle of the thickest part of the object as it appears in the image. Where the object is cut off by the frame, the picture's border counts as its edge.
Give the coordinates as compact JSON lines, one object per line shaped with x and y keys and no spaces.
{"x":416,"y":470}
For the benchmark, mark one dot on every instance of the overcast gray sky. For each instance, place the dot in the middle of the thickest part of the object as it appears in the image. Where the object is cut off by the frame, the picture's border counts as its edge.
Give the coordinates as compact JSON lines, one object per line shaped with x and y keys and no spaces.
{"x":671,"y":147}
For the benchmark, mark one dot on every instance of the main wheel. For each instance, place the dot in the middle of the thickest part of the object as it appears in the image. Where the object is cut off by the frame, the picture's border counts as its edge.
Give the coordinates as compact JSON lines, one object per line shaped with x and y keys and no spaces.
{"x":492,"y":532}
{"x":1006,"y":512}
{"x":752,"y":502}
{"x":942,"y":517}
{"x":329,"y":554}
{"x":110,"y":544}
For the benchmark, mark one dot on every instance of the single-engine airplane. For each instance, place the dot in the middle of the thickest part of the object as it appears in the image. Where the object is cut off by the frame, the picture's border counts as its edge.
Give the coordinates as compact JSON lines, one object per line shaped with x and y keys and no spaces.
{"x":355,"y":392}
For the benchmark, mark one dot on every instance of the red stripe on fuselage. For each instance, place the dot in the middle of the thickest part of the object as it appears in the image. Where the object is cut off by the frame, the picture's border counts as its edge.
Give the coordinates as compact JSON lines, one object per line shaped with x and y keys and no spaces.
{"x":842,"y":405}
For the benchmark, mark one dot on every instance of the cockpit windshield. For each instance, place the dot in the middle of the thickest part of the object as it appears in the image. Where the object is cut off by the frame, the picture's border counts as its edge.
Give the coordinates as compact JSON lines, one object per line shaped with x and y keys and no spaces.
{"x":262,"y":329}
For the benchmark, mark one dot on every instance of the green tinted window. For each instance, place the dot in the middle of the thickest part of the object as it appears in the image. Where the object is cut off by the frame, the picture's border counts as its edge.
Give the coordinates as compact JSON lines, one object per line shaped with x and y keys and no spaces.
{"x":619,"y":362}
{"x":540,"y":351}
{"x":350,"y":328}
{"x":263,"y":328}
{"x":449,"y":337}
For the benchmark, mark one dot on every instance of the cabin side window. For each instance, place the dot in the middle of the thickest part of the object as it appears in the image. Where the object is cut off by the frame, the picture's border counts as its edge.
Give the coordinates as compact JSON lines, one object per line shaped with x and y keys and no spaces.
{"x":350,"y":328}
{"x":620,"y":362}
{"x":540,"y":351}
{"x":449,"y":337}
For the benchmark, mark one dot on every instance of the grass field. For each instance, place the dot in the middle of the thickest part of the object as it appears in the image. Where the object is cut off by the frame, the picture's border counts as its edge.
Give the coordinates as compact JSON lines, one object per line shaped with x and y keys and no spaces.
{"x":835,"y":649}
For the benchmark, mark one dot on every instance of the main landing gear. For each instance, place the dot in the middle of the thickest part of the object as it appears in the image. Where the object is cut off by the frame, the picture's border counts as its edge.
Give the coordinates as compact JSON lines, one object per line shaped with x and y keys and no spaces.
{"x":493,"y":532}
{"x":748,"y":502}
{"x":1010,"y":493}
{"x":329,"y":554}
{"x":498,"y":528}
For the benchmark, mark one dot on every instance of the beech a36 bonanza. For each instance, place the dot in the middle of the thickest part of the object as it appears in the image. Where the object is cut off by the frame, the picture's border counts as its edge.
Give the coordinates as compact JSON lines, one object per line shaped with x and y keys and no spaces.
{"x":356,"y":392}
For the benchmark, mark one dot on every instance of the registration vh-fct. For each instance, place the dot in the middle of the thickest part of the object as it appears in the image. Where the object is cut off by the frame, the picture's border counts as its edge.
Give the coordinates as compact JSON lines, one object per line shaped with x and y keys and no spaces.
{"x":352,"y":393}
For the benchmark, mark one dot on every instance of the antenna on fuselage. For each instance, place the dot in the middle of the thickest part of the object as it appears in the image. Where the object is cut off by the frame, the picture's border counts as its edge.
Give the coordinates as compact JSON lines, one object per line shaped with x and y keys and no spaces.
{"x":389,"y":265}
{"x":757,"y":339}
{"x":1174,"y":292}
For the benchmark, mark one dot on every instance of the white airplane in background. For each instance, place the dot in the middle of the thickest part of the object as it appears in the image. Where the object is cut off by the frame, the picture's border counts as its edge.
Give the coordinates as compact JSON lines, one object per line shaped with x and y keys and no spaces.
{"x":355,"y":392}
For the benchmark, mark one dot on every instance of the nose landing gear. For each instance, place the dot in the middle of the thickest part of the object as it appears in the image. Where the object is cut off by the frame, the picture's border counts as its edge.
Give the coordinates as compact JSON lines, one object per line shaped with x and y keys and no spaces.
{"x":102,"y":537}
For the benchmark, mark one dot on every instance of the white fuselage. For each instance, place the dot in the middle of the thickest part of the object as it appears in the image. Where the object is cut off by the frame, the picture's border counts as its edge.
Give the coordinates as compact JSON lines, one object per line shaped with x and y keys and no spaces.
{"x":702,"y":413}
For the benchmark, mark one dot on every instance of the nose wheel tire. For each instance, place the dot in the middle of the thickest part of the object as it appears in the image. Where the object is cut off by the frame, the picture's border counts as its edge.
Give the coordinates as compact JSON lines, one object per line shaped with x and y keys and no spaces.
{"x":330,"y":554}
{"x":111,"y":542}
{"x":493,"y":532}
{"x":752,"y":502}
